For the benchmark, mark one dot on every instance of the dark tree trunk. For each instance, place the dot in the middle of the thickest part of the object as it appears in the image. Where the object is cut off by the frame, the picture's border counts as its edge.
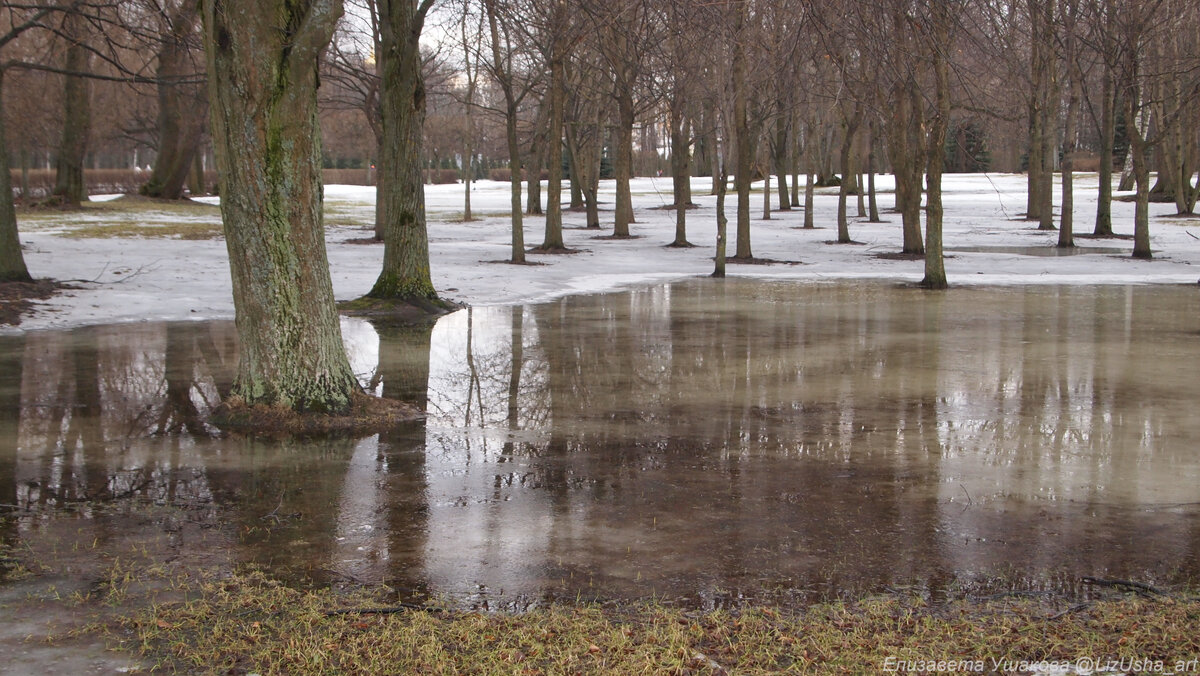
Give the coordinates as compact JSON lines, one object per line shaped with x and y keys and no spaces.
{"x":780,"y":153}
{"x":69,"y":186}
{"x":722,"y":221}
{"x":400,"y":193}
{"x":874,"y":204}
{"x":623,"y":163}
{"x":181,"y":109}
{"x":263,"y":62}
{"x":1108,"y":131}
{"x":681,"y":172}
{"x":906,"y":152}
{"x":12,"y":261}
{"x":935,"y":154}
{"x":849,"y":129}
{"x":554,"y":142}
{"x":743,"y":137}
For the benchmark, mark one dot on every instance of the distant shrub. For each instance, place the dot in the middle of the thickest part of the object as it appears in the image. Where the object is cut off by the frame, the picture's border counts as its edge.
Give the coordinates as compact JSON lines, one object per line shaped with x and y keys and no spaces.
{"x":349,"y":177}
{"x":505,"y":174}
{"x":99,"y":182}
{"x":442,"y":176}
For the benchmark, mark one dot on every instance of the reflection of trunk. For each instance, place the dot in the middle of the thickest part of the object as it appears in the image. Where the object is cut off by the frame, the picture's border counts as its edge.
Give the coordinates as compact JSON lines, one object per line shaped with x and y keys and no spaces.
{"x":77,"y":116}
{"x":179,"y":369}
{"x":286,"y":490}
{"x":180,"y":109}
{"x":404,"y":361}
{"x":517,"y":363}
{"x":12,"y":261}
{"x":86,"y":427}
{"x":12,"y":359}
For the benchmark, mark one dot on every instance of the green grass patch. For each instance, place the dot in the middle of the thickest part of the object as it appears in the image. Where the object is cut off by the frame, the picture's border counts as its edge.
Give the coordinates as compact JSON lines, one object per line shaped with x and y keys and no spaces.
{"x":251,"y":624}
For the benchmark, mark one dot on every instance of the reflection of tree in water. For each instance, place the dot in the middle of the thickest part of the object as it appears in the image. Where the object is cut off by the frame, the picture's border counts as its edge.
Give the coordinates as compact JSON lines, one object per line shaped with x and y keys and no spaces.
{"x":12,"y":357}
{"x":841,"y":438}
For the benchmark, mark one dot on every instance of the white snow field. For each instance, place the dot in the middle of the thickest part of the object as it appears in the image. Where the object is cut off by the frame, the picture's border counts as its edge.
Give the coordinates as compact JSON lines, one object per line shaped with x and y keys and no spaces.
{"x":152,"y":279}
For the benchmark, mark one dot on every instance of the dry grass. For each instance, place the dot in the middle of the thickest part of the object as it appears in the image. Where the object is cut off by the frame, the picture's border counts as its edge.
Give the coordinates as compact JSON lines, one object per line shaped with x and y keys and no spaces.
{"x":251,"y":624}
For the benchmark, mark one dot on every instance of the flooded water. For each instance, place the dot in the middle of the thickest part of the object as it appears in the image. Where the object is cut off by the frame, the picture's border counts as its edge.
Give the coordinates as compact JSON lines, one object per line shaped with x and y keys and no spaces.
{"x":706,"y":442}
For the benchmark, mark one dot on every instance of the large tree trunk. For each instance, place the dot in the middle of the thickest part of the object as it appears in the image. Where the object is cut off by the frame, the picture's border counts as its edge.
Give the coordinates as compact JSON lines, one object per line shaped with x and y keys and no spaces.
{"x":906,"y":154}
{"x":69,"y":186}
{"x":181,"y":110}
{"x":12,"y":261}
{"x":263,"y":62}
{"x":400,"y":192}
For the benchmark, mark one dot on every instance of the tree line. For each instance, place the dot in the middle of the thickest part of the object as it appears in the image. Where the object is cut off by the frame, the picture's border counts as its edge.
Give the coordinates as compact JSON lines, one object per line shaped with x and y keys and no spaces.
{"x":798,"y":92}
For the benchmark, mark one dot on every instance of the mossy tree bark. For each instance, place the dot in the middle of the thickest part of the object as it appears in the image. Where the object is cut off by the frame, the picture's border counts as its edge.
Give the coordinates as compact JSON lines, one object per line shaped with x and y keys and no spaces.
{"x":69,"y":186}
{"x":181,"y":106}
{"x":400,"y":192}
{"x":12,"y":261}
{"x":263,"y":59}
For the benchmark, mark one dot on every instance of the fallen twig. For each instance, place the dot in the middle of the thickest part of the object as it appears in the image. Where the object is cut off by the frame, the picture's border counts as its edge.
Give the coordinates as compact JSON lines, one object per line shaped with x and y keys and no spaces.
{"x":384,"y":610}
{"x":1136,"y":586}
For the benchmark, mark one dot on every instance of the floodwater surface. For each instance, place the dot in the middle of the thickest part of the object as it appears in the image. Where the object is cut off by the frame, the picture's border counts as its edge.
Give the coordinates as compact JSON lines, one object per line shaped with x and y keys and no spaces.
{"x":708,"y":442}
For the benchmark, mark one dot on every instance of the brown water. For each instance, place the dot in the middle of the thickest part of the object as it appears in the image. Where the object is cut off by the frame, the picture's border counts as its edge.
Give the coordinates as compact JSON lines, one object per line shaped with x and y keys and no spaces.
{"x":704,"y":441}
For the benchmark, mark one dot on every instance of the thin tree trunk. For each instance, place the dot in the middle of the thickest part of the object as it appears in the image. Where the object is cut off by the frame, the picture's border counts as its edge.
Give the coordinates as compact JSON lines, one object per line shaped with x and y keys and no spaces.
{"x":780,"y":154}
{"x":554,"y":227}
{"x":623,"y":164}
{"x":722,"y":222}
{"x":680,"y":174}
{"x":809,"y":181}
{"x":263,"y":62}
{"x":935,"y":267}
{"x":1108,"y":129}
{"x":874,"y":204}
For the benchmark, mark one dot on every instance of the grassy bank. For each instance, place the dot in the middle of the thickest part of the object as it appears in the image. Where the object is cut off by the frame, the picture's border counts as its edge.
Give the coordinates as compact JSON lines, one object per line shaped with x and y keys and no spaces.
{"x":249,"y":624}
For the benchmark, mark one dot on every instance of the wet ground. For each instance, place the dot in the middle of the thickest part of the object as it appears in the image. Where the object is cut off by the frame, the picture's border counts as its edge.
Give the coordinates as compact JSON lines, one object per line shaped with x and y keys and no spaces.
{"x":707,"y":442}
